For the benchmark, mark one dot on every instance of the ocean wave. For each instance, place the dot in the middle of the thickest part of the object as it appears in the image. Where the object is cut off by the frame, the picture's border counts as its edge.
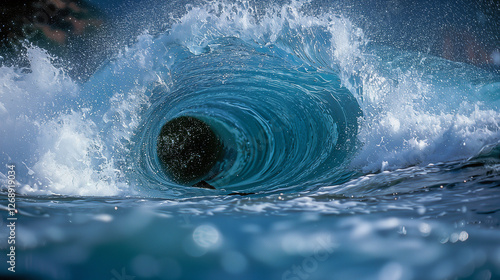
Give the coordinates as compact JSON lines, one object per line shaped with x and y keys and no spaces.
{"x":299,"y":100}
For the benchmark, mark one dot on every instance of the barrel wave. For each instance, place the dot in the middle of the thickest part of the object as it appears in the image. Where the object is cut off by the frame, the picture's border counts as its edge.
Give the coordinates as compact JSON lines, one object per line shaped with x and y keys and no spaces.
{"x":278,"y":104}
{"x":282,"y":124}
{"x":299,"y":100}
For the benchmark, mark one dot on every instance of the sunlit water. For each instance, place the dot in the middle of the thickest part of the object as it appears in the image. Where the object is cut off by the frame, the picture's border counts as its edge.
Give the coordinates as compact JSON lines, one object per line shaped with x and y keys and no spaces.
{"x":364,"y":161}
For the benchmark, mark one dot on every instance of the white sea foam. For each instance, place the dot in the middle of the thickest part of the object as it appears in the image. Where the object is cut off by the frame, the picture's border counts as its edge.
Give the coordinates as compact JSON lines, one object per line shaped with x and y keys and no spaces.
{"x":61,"y":148}
{"x":412,"y":117}
{"x":27,"y":98}
{"x":74,"y":161}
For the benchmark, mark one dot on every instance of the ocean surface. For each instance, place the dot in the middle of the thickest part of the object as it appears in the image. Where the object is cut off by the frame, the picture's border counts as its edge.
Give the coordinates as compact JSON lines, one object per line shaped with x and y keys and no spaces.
{"x":362,"y":142}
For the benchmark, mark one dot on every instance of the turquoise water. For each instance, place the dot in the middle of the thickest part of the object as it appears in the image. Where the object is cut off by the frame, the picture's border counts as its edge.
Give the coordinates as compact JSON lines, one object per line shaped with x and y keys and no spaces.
{"x":347,"y":157}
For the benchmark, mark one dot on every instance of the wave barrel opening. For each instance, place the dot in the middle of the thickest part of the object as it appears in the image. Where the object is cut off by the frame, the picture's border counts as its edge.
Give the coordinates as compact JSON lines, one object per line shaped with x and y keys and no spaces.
{"x":188,"y":149}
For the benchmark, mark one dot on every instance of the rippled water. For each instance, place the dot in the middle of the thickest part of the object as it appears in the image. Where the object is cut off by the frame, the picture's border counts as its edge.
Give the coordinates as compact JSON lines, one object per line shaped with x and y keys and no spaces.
{"x":346,"y":157}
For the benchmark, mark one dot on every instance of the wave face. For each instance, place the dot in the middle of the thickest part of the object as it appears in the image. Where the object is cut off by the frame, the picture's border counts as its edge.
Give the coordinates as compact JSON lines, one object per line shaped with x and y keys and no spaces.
{"x":299,"y":100}
{"x":282,"y":123}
